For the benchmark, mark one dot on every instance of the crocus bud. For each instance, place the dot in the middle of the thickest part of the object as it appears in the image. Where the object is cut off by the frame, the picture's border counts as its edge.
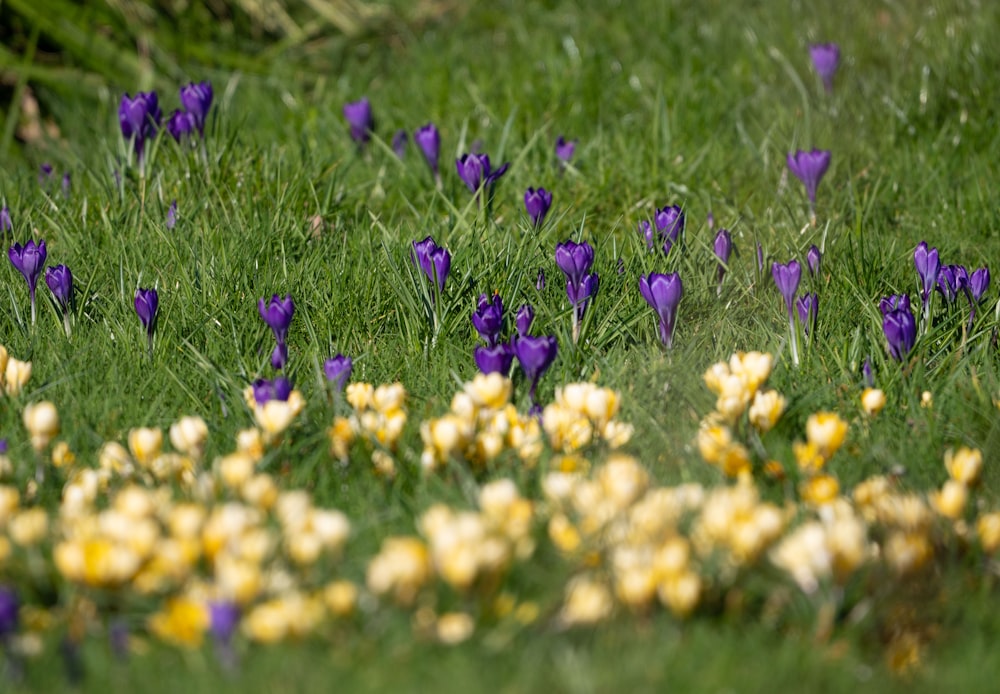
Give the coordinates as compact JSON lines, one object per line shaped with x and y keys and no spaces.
{"x":537,"y":203}
{"x":825,"y":60}
{"x":359,"y":117}
{"x":872,"y":401}
{"x":813,"y":257}
{"x":145,"y":444}
{"x":428,"y":139}
{"x":42,"y":422}
{"x":197,"y":100}
{"x":16,"y":375}
{"x":60,"y":282}
{"x":809,"y":167}
{"x":399,"y":140}
{"x":525,"y":317}
{"x":5,"y":221}
{"x":188,"y":435}
{"x":565,"y":149}
{"x":338,"y":370}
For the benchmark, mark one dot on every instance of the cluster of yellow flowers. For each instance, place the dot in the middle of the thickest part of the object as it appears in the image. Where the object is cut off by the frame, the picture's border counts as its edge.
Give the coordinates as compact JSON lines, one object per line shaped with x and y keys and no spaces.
{"x":479,"y":426}
{"x":378,"y":418}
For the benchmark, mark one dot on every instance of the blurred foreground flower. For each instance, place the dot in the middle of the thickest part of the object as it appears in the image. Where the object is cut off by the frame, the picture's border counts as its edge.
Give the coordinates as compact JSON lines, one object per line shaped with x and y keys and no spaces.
{"x":139,"y":119}
{"x":825,"y":60}
{"x":359,"y":118}
{"x":338,"y":370}
{"x":428,"y":139}
{"x":197,"y":100}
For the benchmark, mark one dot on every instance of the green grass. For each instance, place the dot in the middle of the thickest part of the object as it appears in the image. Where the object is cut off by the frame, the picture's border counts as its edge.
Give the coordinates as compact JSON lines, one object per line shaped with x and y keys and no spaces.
{"x":689,"y":103}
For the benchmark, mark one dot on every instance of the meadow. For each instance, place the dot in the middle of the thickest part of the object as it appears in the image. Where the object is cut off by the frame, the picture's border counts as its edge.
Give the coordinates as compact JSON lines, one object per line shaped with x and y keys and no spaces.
{"x":745,"y":439}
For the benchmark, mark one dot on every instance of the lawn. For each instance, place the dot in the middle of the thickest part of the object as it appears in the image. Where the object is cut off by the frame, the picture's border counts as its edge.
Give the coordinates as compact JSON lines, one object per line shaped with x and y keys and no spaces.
{"x":816,"y":513}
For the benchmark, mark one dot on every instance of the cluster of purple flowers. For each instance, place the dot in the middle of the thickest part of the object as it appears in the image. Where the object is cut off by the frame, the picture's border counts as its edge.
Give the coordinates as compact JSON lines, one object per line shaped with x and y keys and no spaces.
{"x":277,"y":314}
{"x":669,"y":226}
{"x":29,"y":260}
{"x":576,"y":260}
{"x":140,"y":117}
{"x":434,"y":260}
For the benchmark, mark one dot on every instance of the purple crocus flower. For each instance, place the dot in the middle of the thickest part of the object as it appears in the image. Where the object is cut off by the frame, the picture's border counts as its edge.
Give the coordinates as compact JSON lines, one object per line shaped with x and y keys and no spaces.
{"x":979,"y":282}
{"x":359,"y":117}
{"x":565,"y":149}
{"x":279,"y":356}
{"x":29,"y":260}
{"x":951,"y":280}
{"x":900,"y":330}
{"x":434,"y":260}
{"x":181,"y":124}
{"x":813,"y":258}
{"x":139,"y":118}
{"x":537,"y":203}
{"x":809,"y":168}
{"x":663,"y":293}
{"x":197,"y":100}
{"x":574,"y":259}
{"x":494,"y":359}
{"x":487,"y":319}
{"x":808,"y":309}
{"x":894,"y":302}
{"x":428,"y":139}
{"x":926,"y":261}
{"x":10,"y":608}
{"x":535,"y":355}
{"x":866,"y":373}
{"x":60,"y":282}
{"x":399,"y":141}
{"x":540,"y":280}
{"x":277,"y":314}
{"x":723,"y":247}
{"x":476,"y":171}
{"x":670,"y":225}
{"x":825,"y":60}
{"x":147,"y":301}
{"x":223,"y":618}
{"x":647,"y":233}
{"x":278,"y":389}
{"x":172,"y":215}
{"x":579,"y":296}
{"x":525,"y":317}
{"x":5,"y":222}
{"x":787,"y":277}
{"x":338,"y":370}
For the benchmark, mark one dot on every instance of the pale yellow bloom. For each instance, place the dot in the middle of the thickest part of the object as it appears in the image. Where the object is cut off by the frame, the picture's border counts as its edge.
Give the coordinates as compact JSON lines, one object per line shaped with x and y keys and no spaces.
{"x":62,"y":456}
{"x":926,"y":399}
{"x":587,"y":601}
{"x":145,"y":444}
{"x":808,"y":457}
{"x":401,"y":568}
{"x":360,"y":395}
{"x":114,"y":458}
{"x":340,"y":597}
{"x":250,"y":442}
{"x":906,"y":552}
{"x":188,"y":435}
{"x":42,"y":422}
{"x":274,"y":416}
{"x":826,"y":431}
{"x":235,"y":469}
{"x":10,"y":500}
{"x":950,"y":501}
{"x":491,"y":391}
{"x":16,"y":375}
{"x":988,"y":529}
{"x":964,"y":465}
{"x":766,"y":409}
{"x":820,"y":489}
{"x":680,"y":593}
{"x":454,"y":627}
{"x":182,"y":622}
{"x":872,"y":401}
{"x":29,"y":527}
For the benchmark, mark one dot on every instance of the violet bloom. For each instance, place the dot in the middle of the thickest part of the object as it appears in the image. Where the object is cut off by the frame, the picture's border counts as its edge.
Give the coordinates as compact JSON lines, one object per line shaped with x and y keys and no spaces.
{"x":535,"y":355}
{"x":663,"y":293}
{"x":540,"y":280}
{"x":525,"y":317}
{"x":223,"y":618}
{"x":139,"y":119}
{"x":10,"y":608}
{"x":787,"y":278}
{"x":399,"y":141}
{"x":181,"y":124}
{"x":277,"y":314}
{"x":359,"y":117}
{"x":809,"y":168}
{"x":979,"y":282}
{"x":723,"y":247}
{"x":565,"y":149}
{"x":760,"y":258}
{"x":197,"y":100}
{"x":574,"y":259}
{"x":647,"y":233}
{"x":537,"y":204}
{"x":494,"y":359}
{"x":172,"y":215}
{"x":670,"y":225}
{"x":5,"y":222}
{"x":866,"y":373}
{"x":45,"y":174}
{"x":894,"y":302}
{"x":487,"y":319}
{"x":951,"y":280}
{"x":476,"y":171}
{"x":813,"y":258}
{"x":926,"y":261}
{"x":579,"y":296}
{"x":434,"y":260}
{"x":29,"y":260}
{"x":60,"y":282}
{"x":808,"y":309}
{"x":428,"y":139}
{"x":278,"y":389}
{"x":279,"y":356}
{"x":147,"y":301}
{"x":338,"y":370}
{"x":825,"y":60}
{"x":900,"y":330}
